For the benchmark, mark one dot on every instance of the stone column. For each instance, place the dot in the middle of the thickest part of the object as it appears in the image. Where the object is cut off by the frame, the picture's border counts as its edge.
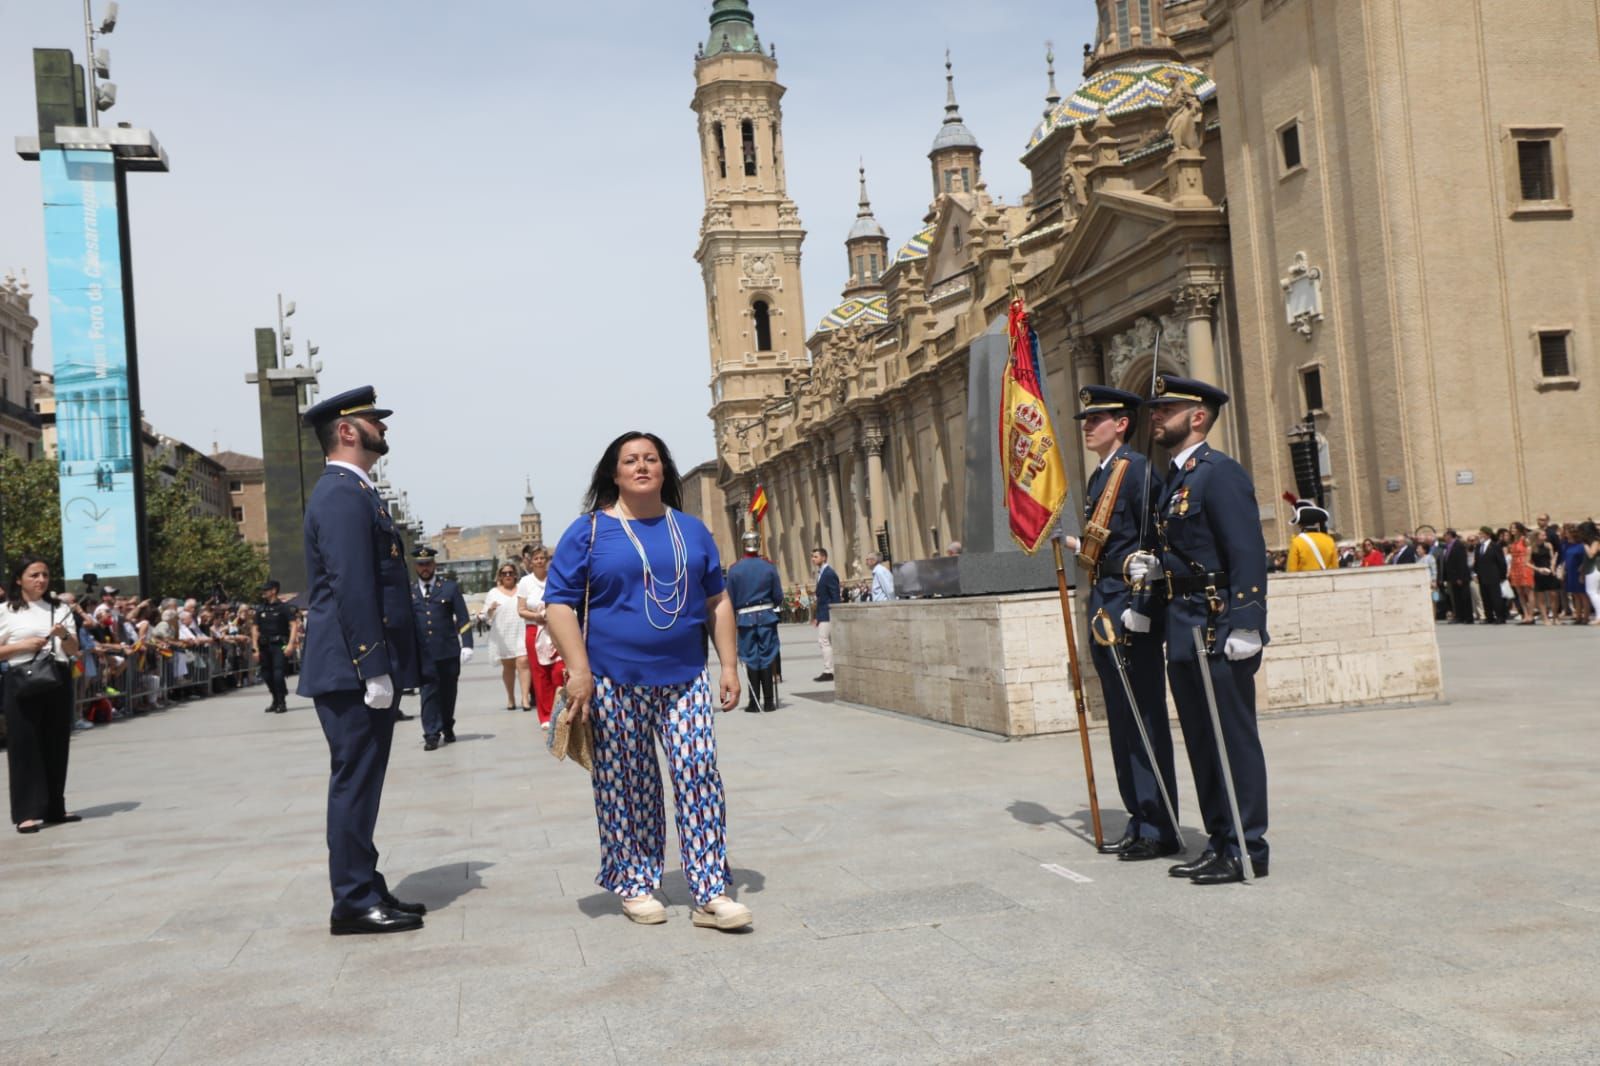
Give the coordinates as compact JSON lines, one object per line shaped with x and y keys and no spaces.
{"x":861,"y":522}
{"x":828,"y":474}
{"x":873,"y":441}
{"x":1197,"y":303}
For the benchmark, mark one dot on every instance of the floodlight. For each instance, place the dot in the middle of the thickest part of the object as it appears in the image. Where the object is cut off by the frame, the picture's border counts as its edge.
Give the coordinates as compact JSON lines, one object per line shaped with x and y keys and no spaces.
{"x":102,"y":63}
{"x":288,"y":349}
{"x":109,"y":23}
{"x":288,"y":309}
{"x":316,"y":365}
{"x":287,"y":332}
{"x":105,"y":96}
{"x":312,"y":349}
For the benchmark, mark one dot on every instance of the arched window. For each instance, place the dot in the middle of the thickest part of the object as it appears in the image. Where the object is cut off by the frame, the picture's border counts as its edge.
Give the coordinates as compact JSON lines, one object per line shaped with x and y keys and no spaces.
{"x":763,"y":318}
{"x":1122,"y":23}
{"x":722,"y":152}
{"x":748,"y":134}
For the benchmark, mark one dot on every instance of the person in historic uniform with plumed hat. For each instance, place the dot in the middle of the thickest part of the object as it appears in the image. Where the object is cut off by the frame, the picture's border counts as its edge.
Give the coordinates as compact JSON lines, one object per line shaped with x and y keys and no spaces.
{"x":1213,"y":562}
{"x":444,"y":631}
{"x":1107,"y":416}
{"x":360,"y":650}
{"x":756,"y":593}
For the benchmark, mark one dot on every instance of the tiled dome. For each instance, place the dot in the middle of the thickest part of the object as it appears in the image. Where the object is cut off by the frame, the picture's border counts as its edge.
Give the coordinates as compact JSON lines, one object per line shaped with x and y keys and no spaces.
{"x":1120,"y":91}
{"x":872,"y":310}
{"x":917,"y":247}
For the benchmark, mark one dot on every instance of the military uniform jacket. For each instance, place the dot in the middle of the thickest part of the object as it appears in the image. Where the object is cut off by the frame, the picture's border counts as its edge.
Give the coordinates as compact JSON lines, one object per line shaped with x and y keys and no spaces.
{"x":1110,"y":589}
{"x":1210,"y":523}
{"x":753,"y":581}
{"x":443,"y":625}
{"x":358,"y":617}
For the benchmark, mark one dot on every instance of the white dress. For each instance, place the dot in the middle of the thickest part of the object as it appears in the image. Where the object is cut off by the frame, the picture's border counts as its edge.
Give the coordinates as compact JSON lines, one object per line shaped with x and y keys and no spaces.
{"x":507,"y":630}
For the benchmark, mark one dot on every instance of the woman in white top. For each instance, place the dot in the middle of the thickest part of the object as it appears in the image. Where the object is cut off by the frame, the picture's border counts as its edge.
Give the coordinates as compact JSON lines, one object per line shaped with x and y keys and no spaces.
{"x":506,"y":634}
{"x":544,"y":661}
{"x":34,"y":624}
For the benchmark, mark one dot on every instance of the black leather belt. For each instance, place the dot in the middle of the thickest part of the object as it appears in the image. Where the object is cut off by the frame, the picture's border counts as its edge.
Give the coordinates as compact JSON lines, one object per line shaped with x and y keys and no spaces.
{"x":1188,"y":584}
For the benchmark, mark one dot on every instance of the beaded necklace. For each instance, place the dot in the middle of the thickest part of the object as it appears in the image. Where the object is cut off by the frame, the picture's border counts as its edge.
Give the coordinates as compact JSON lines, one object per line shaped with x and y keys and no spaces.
{"x":669,"y":599}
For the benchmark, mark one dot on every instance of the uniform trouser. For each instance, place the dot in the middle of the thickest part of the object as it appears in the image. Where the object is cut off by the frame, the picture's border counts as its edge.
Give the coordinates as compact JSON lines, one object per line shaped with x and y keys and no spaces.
{"x":628,"y":720}
{"x":38,"y":736}
{"x":272,"y":671}
{"x":439,"y":697}
{"x":1235,"y":685}
{"x":359,"y":738}
{"x":1136,"y":778}
{"x":825,"y":642}
{"x":762,"y":688}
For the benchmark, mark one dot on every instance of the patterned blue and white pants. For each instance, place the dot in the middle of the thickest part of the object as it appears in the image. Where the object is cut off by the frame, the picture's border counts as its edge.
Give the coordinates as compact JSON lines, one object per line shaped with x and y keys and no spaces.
{"x":627,"y":786}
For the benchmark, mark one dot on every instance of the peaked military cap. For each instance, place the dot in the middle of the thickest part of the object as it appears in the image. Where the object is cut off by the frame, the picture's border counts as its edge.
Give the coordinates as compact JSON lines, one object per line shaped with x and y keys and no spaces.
{"x":362,"y":401}
{"x":269,"y":584}
{"x":422,"y":551}
{"x":1171,"y":389}
{"x":1094,"y":399}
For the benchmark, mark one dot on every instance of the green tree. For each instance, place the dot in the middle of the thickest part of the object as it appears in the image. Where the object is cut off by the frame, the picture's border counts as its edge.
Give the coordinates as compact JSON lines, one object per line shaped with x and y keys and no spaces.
{"x":190,"y":552}
{"x":30,"y":511}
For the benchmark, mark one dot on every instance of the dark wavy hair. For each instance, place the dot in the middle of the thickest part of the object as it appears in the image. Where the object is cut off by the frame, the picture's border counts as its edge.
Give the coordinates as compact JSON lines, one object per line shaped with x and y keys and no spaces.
{"x":14,"y":595}
{"x":603,"y":485}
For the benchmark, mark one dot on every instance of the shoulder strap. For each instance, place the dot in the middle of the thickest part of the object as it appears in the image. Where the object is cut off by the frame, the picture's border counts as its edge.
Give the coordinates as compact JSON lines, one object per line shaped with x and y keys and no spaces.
{"x":1316,"y":552}
{"x":594,"y":519}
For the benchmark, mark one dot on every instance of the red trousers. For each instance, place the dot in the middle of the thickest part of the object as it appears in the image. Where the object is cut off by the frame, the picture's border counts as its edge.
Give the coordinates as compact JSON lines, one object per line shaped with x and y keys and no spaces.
{"x":546,"y":679}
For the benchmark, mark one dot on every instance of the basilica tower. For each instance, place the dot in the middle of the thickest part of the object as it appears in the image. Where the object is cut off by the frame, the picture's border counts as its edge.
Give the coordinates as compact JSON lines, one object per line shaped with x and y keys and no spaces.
{"x":750,"y":236}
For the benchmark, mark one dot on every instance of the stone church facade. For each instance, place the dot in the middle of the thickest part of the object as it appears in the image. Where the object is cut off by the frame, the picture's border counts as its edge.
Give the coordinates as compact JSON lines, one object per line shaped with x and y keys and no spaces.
{"x":1371,"y":216}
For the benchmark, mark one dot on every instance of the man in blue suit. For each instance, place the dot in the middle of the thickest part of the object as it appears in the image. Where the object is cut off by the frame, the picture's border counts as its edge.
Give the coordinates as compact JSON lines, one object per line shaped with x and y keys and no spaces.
{"x":828,"y":594}
{"x":444,"y":629}
{"x":360,"y":649}
{"x":1107,"y":414}
{"x":1213,"y":562}
{"x":756,"y":593}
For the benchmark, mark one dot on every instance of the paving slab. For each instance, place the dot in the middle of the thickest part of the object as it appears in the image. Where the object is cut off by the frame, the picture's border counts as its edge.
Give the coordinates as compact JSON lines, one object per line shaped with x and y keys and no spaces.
{"x":922,"y":894}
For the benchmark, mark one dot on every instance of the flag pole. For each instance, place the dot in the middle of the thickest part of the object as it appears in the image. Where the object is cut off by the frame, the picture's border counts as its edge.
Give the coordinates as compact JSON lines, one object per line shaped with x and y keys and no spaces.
{"x":1077,"y":686}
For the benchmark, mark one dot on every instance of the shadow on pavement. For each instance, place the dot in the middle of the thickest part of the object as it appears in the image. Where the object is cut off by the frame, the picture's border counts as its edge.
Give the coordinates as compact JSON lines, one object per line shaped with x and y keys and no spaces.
{"x":441,"y":886}
{"x":1080,"y":824}
{"x":106,"y":810}
{"x":474,"y":736}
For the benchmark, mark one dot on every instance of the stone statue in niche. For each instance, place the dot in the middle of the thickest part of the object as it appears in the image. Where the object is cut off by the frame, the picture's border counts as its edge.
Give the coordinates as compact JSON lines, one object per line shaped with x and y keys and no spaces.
{"x":1184,"y":115}
{"x":1302,"y":295}
{"x":1139,"y":341}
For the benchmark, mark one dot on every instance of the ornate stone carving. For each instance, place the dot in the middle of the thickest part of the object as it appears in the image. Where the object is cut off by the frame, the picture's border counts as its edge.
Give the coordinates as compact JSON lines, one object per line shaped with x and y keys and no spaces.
{"x":1084,"y":352}
{"x":872,"y":439}
{"x":1197,"y":299}
{"x":759,"y":271}
{"x":1302,"y":295}
{"x":1185,"y":114}
{"x":1139,"y":341}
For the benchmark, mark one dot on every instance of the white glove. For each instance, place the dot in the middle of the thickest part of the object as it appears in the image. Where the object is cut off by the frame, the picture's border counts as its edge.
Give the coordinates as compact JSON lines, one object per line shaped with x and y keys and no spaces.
{"x":466,"y":656}
{"x":380,"y":693}
{"x":1143,"y":567}
{"x":1134,"y":622}
{"x":1242,"y":643}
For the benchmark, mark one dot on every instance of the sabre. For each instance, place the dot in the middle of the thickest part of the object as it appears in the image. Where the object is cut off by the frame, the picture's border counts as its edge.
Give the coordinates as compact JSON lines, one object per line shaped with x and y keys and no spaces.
{"x":1105,"y":634}
{"x":1149,"y":449}
{"x":1222,"y":751}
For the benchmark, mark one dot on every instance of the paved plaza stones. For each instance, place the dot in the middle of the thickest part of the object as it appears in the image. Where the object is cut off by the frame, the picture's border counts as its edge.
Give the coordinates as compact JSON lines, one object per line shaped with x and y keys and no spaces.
{"x":922,"y":894}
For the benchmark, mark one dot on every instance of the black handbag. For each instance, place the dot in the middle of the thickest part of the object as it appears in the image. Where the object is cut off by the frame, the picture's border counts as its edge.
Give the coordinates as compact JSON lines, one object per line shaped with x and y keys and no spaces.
{"x":37,"y":676}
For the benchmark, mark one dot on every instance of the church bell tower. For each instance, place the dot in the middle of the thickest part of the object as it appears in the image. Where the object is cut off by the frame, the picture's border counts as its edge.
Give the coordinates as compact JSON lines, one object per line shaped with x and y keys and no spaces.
{"x":750,"y":235}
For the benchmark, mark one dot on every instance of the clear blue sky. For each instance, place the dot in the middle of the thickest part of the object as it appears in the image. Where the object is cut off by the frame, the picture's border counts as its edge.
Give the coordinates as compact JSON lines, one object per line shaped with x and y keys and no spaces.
{"x":489,"y":209}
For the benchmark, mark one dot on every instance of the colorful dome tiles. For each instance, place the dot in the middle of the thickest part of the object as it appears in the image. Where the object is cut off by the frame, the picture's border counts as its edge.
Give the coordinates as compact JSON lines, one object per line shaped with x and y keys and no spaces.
{"x":1119,"y":91}
{"x":917,"y":247}
{"x":872,"y":311}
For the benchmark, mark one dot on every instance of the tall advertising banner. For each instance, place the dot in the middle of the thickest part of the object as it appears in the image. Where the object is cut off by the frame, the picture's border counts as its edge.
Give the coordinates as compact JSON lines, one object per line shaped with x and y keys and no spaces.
{"x":95,"y":425}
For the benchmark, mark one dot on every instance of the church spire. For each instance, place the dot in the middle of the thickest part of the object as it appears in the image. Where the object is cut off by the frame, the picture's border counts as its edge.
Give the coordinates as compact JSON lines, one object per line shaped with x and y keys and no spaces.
{"x":955,"y":150}
{"x":867,"y":246}
{"x":1053,"y":97}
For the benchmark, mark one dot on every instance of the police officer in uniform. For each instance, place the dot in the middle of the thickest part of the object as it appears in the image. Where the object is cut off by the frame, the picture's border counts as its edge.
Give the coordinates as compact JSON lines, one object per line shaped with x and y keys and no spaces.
{"x":1107,"y":415}
{"x":361,"y":649}
{"x":1213,"y":563}
{"x":754,"y":588}
{"x":444,"y":629}
{"x":275,"y":637}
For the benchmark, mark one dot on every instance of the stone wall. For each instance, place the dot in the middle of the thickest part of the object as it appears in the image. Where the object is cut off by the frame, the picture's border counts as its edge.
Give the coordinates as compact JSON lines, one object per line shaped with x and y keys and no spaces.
{"x":999,"y":664}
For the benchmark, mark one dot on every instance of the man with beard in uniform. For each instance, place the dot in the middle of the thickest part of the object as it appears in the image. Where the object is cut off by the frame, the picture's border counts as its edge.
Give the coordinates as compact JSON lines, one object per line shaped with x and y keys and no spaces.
{"x":361,"y":649}
{"x":445,"y":630}
{"x":1214,"y":563}
{"x":755,"y":591}
{"x":276,"y":636}
{"x":1107,"y":414}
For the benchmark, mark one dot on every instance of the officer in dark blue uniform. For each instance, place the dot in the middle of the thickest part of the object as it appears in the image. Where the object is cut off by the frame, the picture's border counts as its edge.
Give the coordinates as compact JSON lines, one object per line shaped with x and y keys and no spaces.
{"x":444,"y":629}
{"x":1107,"y":415}
{"x":755,"y":591}
{"x":275,"y":637}
{"x":1213,"y":561}
{"x":361,"y":648}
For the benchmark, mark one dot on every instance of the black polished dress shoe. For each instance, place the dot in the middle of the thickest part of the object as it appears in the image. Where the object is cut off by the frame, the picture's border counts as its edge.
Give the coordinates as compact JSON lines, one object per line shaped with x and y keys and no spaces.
{"x":1148,"y":848}
{"x":1189,"y":869}
{"x":770,"y":706}
{"x":419,"y":909}
{"x":1117,"y":847}
{"x":430,"y":743}
{"x":752,"y":707}
{"x":449,"y":736}
{"x":1227,"y":870}
{"x":375,"y":920}
{"x":402,"y":716}
{"x":272,"y":708}
{"x":283,"y":708}
{"x":823,"y":677}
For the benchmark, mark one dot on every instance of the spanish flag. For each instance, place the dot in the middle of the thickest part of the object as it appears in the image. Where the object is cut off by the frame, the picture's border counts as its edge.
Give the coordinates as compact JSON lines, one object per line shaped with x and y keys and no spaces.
{"x":758,"y":504}
{"x":1030,"y":454}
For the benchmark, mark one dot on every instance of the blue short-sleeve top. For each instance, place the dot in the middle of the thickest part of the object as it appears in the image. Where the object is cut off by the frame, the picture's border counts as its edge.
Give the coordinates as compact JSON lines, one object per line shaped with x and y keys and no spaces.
{"x":633,"y":641}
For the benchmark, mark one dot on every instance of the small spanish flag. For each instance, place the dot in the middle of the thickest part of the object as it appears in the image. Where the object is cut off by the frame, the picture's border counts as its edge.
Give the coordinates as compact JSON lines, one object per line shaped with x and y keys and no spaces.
{"x":1030,"y":454}
{"x":758,"y":504}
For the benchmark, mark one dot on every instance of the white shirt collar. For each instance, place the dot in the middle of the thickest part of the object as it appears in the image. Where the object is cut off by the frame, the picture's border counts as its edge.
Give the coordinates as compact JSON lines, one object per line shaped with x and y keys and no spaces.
{"x":353,"y":468}
{"x":1183,"y":456}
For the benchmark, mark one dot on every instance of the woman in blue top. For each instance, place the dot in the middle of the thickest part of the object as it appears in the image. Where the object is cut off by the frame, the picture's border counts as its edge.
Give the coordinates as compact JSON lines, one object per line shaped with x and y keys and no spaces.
{"x":654,"y":588}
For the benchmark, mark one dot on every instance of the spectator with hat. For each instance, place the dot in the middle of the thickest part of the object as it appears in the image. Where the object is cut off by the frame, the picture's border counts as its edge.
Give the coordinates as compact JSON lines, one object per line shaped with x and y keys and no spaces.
{"x":361,"y":648}
{"x":274,"y":638}
{"x":1312,"y":548}
{"x":444,"y":629}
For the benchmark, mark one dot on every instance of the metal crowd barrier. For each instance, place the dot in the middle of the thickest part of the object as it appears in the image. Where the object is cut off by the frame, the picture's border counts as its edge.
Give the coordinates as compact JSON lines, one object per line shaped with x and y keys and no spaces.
{"x":131,"y":682}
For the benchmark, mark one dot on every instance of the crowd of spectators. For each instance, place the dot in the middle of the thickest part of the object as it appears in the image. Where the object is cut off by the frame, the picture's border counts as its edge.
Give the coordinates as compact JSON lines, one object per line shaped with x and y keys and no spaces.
{"x":1538,"y":573}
